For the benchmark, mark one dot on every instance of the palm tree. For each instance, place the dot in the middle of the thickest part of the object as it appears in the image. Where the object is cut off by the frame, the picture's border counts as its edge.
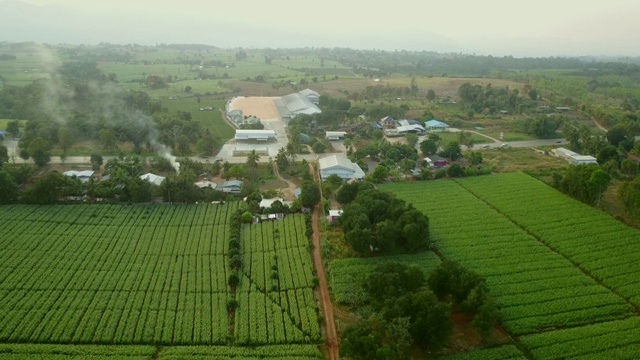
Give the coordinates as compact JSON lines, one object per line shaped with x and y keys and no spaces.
{"x":252,"y":159}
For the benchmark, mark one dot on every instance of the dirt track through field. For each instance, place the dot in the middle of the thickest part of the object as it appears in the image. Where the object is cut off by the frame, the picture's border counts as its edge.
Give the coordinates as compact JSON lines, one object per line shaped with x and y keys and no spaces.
{"x":329,"y":323}
{"x":333,"y":350}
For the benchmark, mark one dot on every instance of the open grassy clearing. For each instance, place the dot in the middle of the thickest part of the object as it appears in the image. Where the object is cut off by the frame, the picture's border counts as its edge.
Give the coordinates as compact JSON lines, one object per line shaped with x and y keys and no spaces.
{"x":521,"y":159}
{"x":212,"y":120}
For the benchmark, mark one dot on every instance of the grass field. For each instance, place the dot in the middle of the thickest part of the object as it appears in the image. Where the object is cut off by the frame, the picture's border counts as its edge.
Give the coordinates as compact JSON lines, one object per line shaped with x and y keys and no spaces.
{"x":150,"y":275}
{"x":550,"y":262}
{"x":212,"y":120}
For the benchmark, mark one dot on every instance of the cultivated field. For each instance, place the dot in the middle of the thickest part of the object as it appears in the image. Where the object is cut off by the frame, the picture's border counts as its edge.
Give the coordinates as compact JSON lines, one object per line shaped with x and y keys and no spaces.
{"x":551,"y":262}
{"x":151,"y":275}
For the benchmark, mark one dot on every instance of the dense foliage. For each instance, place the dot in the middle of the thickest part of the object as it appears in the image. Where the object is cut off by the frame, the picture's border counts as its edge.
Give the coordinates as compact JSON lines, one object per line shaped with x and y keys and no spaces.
{"x":376,"y":221}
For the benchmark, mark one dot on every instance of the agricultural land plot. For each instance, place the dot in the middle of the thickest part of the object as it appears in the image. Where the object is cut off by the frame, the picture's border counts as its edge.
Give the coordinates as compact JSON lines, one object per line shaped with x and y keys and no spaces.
{"x":348,"y":275}
{"x":600,"y":245}
{"x":111,"y":274}
{"x":536,"y":288}
{"x":141,"y":352}
{"x":276,"y":300}
{"x":212,"y":120}
{"x":506,"y":352}
{"x":605,"y":341}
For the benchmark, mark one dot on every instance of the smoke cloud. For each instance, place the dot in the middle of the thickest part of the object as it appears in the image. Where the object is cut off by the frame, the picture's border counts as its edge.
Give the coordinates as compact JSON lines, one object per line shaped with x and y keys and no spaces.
{"x":60,"y":102}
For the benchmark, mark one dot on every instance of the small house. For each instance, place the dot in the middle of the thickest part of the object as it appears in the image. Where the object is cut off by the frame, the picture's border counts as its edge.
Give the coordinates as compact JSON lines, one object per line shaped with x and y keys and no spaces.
{"x":335,"y":135}
{"x":436,"y":161}
{"x":231,"y":186}
{"x":582,"y":159}
{"x":334,"y":215}
{"x":153,"y":178}
{"x":436,"y":125}
{"x":206,"y":184}
{"x":83,"y":176}
{"x":388,"y":122}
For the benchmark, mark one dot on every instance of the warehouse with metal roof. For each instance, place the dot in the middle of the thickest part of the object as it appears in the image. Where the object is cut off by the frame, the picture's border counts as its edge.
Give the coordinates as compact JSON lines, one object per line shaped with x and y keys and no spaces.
{"x":291,"y":105}
{"x":256,"y":135}
{"x":341,"y":166}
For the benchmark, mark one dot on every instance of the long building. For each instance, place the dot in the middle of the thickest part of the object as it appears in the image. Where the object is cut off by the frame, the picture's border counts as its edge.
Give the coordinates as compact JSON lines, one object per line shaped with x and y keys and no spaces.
{"x":256,"y":135}
{"x":294,"y":104}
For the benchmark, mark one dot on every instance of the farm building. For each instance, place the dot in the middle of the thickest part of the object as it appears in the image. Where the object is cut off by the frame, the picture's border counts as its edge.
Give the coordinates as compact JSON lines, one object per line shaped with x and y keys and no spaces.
{"x":231,"y":186}
{"x":436,"y":161}
{"x":152,"y":178}
{"x":206,"y":108}
{"x":267,"y":203}
{"x":436,"y":125}
{"x":388,"y":122}
{"x":564,"y":153}
{"x":255,"y":135}
{"x":206,"y":184}
{"x":294,"y":104}
{"x":582,"y":159}
{"x":235,"y":116}
{"x":334,"y":215}
{"x":335,"y":135}
{"x":409,"y":126}
{"x":341,"y":166}
{"x":313,"y":96}
{"x":249,"y":120}
{"x":84,"y":175}
{"x":562,"y":108}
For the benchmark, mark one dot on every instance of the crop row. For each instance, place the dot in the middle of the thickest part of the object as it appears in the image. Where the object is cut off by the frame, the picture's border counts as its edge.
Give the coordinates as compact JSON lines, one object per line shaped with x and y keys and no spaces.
{"x":609,"y":340}
{"x":103,"y":352}
{"x":505,"y":352}
{"x":602,"y":246}
{"x":276,"y":302}
{"x":514,"y":262}
{"x":73,"y":275}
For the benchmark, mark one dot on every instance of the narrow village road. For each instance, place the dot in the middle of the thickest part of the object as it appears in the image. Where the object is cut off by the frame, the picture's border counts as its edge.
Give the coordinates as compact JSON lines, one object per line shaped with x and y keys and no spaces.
{"x":329,"y":322}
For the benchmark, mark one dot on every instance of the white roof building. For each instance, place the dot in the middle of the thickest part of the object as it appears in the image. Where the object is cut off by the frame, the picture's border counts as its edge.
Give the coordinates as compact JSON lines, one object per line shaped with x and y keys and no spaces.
{"x":294,"y":104}
{"x":153,"y":178}
{"x":582,"y":159}
{"x":341,"y":166}
{"x":258,"y":135}
{"x":564,"y":153}
{"x":84,"y":175}
{"x":335,"y":135}
{"x":313,"y":96}
{"x":206,"y":184}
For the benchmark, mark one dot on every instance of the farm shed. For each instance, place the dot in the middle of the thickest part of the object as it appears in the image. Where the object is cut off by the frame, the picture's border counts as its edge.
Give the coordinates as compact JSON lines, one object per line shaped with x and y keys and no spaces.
{"x":582,"y":159}
{"x":152,"y":178}
{"x":564,"y":153}
{"x":313,"y":96}
{"x":231,"y":186}
{"x":334,"y":215}
{"x":255,"y":135}
{"x":341,"y":166}
{"x":406,"y":126}
{"x":335,"y":135}
{"x":436,"y":125}
{"x":294,"y":104}
{"x":84,"y":175}
{"x":206,"y":184}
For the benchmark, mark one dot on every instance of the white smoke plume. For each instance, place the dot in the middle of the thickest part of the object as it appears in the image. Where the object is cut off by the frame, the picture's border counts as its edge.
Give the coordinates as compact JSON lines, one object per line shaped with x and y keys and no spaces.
{"x":111,"y":108}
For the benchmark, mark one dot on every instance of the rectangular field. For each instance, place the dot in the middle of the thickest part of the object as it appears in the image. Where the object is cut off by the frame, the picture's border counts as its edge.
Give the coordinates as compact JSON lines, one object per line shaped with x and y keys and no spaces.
{"x":537,"y":288}
{"x":111,"y":274}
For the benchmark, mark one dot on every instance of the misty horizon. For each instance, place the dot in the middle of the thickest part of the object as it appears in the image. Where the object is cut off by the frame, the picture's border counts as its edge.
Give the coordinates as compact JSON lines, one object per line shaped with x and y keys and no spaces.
{"x":496,"y":28}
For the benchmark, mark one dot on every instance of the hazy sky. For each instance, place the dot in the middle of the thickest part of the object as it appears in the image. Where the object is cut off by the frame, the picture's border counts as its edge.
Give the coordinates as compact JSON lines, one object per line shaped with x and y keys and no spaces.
{"x":499,"y":27}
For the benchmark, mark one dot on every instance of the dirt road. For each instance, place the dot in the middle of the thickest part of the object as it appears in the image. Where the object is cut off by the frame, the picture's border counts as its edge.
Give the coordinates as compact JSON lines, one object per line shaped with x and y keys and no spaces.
{"x":329,"y":322}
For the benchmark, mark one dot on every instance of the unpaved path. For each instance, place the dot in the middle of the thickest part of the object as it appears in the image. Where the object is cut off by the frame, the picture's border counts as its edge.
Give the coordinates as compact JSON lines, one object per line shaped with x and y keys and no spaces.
{"x":290,"y":192}
{"x":329,"y":322}
{"x":598,"y":125}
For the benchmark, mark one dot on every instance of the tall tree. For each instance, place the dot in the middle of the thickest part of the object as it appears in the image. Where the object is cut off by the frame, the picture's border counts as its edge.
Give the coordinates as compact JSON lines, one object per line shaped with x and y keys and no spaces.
{"x":40,"y":151}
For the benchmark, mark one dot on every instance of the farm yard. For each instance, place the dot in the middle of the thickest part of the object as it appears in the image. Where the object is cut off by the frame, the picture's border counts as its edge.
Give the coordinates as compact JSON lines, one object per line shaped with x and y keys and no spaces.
{"x":142,"y":276}
{"x":562,"y":273}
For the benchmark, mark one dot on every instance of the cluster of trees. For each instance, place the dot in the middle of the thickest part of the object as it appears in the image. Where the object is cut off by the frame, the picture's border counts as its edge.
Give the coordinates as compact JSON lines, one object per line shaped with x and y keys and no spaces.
{"x":80,"y":103}
{"x":377,"y":222}
{"x":411,"y":310}
{"x":479,"y":98}
{"x":542,"y":126}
